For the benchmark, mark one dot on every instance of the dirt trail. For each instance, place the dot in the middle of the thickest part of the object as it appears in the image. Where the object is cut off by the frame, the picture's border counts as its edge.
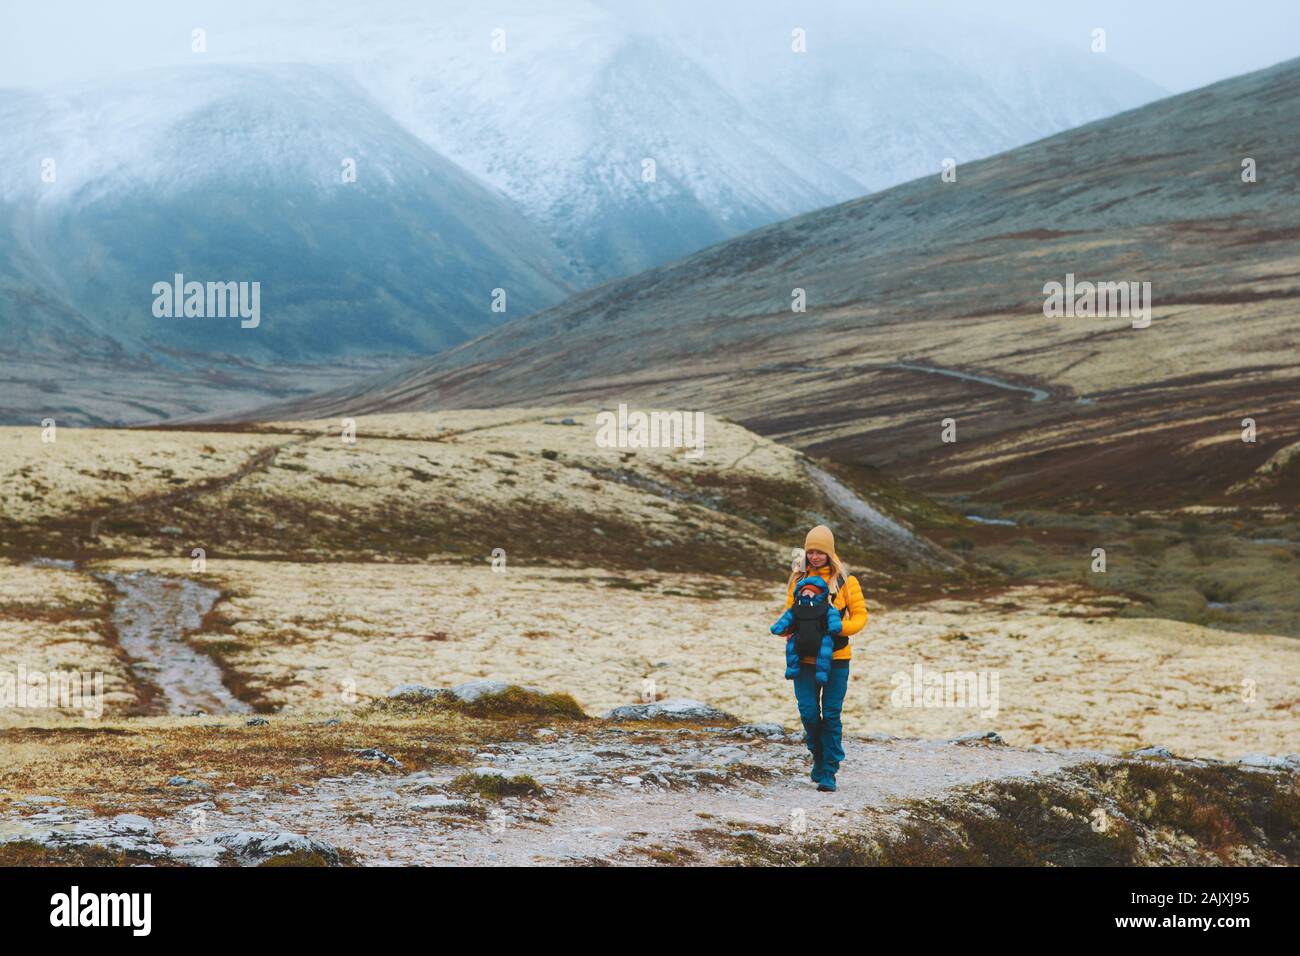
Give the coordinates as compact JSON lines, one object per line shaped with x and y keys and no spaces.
{"x":897,"y":535}
{"x":613,"y":793}
{"x":1035,"y":394}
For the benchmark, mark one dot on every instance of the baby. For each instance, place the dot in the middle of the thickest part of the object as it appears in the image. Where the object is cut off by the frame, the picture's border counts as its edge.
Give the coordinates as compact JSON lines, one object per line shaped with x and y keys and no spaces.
{"x":810,"y":626}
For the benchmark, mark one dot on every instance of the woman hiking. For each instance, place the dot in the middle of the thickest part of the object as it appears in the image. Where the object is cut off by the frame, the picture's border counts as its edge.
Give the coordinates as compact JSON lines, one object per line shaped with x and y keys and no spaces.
{"x":818,"y":691}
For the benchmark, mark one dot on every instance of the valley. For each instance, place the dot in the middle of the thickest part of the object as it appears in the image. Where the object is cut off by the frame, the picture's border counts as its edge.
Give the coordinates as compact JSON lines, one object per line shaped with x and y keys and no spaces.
{"x":285,"y":697}
{"x":448,"y":527}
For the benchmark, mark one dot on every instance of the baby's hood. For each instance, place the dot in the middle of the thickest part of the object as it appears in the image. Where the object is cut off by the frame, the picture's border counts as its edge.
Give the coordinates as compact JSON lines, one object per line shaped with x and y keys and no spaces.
{"x":816,"y":582}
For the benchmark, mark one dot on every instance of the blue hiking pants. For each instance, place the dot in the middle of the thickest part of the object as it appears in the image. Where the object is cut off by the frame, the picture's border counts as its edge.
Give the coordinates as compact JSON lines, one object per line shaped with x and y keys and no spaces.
{"x":819,"y":709}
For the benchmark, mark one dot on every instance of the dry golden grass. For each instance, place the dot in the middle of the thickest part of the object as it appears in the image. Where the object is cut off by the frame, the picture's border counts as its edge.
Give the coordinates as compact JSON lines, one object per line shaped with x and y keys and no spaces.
{"x":306,"y":637}
{"x":122,"y":765}
{"x":1070,"y":679}
{"x":92,"y":468}
{"x":56,"y":620}
{"x":349,"y":569}
{"x":413,"y":487}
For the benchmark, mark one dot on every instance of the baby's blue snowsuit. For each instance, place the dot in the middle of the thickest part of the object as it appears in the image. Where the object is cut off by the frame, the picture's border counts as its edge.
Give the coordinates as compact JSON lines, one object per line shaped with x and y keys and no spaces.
{"x":786,"y":623}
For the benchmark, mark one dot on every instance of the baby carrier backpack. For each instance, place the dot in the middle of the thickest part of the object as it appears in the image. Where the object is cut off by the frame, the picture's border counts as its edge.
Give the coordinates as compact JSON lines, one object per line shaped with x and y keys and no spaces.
{"x":811,"y":624}
{"x":809,"y":627}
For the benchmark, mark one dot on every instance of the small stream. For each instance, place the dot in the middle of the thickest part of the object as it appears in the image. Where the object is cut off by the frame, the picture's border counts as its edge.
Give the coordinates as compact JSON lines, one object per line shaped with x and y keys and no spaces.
{"x":980,"y":519}
{"x":152,"y":617}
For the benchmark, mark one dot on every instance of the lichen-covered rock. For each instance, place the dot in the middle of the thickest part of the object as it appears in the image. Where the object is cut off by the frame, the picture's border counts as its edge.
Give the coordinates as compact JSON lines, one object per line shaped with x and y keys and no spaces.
{"x":681,"y":708}
{"x":179,"y":781}
{"x":1287,"y":762}
{"x":987,"y":737}
{"x":1159,"y":753}
{"x":132,"y":823}
{"x":422,"y":692}
{"x":758,"y":730}
{"x":443,"y":803}
{"x":255,"y":846}
{"x":374,"y":753}
{"x":473,"y":690}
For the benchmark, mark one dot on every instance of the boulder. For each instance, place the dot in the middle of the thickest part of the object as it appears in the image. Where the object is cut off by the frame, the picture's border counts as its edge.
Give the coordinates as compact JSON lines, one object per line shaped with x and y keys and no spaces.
{"x":1288,"y":762}
{"x":251,"y":847}
{"x":680,"y":708}
{"x":1159,"y":753}
{"x":987,"y":737}
{"x":374,"y":753}
{"x":179,"y":781}
{"x":473,"y":690}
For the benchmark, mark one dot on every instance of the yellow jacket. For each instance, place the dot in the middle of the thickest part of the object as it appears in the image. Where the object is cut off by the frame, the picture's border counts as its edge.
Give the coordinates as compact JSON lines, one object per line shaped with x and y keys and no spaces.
{"x":848,"y":601}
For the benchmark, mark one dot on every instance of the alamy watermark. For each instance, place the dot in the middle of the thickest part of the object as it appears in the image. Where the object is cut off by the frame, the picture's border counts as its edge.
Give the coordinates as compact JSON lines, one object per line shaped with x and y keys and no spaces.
{"x":75,"y":908}
{"x":53,"y":690}
{"x":1126,"y":300}
{"x":208,"y":300}
{"x":651,"y":430}
{"x":970,"y":690}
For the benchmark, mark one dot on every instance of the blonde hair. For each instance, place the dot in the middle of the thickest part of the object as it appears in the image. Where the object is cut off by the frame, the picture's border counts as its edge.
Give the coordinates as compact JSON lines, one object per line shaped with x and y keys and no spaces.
{"x":838,"y":568}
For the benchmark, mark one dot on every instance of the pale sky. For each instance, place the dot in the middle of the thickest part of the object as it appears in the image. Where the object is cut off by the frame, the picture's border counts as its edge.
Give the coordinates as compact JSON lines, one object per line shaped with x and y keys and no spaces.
{"x":1180,"y":44}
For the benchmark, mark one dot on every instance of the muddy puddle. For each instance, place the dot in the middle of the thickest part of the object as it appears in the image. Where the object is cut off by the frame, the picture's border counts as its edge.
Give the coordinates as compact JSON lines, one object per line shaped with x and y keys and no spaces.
{"x":153,"y":616}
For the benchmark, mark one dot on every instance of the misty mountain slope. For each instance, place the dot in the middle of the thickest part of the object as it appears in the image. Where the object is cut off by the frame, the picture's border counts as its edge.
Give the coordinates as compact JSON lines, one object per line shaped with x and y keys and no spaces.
{"x":234,"y":174}
{"x":887,"y":91}
{"x":580,"y":169}
{"x":933,"y":277}
{"x":563,"y":120}
{"x":743,"y":130}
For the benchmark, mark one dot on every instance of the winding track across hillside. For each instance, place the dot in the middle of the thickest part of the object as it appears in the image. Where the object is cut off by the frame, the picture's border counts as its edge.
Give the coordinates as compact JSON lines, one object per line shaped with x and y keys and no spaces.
{"x":896,"y":536}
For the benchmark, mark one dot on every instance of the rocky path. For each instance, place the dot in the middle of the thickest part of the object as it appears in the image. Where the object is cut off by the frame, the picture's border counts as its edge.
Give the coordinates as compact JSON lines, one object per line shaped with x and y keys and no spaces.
{"x":647,"y":797}
{"x":609,"y":795}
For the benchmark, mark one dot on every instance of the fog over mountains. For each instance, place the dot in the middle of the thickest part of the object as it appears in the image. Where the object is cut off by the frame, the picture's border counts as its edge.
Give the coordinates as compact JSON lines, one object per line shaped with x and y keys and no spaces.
{"x":743,"y":130}
{"x":535,"y":147}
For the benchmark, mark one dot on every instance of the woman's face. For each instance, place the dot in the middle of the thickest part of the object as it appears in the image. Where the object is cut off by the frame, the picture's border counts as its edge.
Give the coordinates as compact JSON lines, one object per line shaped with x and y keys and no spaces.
{"x":817,"y":559}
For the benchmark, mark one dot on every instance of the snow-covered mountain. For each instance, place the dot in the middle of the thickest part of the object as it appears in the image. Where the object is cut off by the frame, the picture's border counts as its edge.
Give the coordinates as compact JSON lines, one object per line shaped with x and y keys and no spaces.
{"x":236,"y":174}
{"x":559,"y":103}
